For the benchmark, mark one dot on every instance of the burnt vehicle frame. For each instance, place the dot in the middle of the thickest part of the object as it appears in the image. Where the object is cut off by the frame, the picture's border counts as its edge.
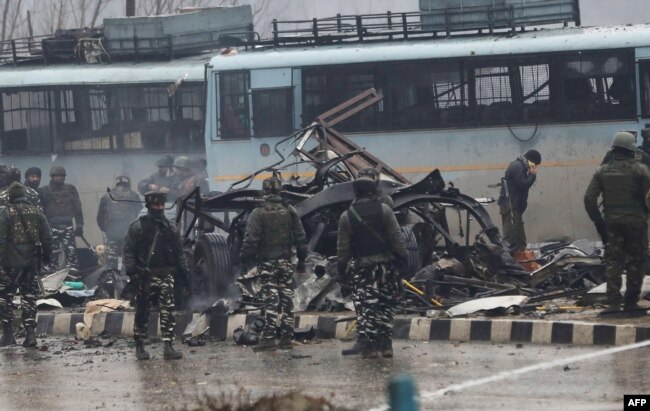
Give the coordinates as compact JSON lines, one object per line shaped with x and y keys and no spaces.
{"x":213,"y":239}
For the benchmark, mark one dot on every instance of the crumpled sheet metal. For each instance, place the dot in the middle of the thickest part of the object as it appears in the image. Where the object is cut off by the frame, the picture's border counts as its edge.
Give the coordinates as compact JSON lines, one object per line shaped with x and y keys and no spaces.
{"x":486,"y":304}
{"x":52,"y":283}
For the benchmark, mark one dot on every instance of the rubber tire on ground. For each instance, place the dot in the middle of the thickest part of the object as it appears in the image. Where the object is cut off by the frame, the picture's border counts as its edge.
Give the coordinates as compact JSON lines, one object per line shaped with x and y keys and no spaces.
{"x":211,"y":265}
{"x":413,"y":251}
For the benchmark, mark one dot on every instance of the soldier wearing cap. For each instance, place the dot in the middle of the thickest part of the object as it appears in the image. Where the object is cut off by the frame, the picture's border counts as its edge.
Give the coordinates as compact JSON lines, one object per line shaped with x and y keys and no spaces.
{"x":623,"y":184}
{"x":513,"y":201}
{"x":117,"y":210}
{"x":161,"y":180}
{"x":272,"y":230}
{"x":33,"y":177}
{"x":13,"y":175}
{"x":153,"y":260}
{"x":25,"y":239}
{"x":373,"y":174}
{"x":370,"y":236}
{"x":62,"y":205}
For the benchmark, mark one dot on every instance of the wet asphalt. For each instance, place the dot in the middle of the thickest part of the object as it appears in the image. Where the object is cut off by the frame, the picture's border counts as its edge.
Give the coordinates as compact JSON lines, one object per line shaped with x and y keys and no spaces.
{"x":64,"y":374}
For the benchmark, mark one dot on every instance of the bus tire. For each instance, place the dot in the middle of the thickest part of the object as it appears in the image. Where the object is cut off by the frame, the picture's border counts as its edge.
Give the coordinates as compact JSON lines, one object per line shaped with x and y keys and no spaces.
{"x":211,"y":266}
{"x":412,"y":250}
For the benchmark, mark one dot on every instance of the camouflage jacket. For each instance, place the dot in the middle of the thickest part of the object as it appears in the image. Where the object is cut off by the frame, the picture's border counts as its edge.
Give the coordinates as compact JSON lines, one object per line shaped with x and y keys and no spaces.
{"x":32,"y":197}
{"x":22,"y":226}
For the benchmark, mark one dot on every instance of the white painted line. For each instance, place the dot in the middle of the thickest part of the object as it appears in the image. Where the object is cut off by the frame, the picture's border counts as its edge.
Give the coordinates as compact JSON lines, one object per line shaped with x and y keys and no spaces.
{"x":524,"y":370}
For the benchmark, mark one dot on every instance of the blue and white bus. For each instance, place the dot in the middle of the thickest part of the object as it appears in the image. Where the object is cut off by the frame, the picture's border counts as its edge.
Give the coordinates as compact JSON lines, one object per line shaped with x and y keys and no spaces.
{"x":467,"y":105}
{"x":100,"y":121}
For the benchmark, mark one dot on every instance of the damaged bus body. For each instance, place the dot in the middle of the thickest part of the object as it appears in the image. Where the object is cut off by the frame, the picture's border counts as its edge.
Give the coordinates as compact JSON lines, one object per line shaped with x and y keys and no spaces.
{"x":464,"y":104}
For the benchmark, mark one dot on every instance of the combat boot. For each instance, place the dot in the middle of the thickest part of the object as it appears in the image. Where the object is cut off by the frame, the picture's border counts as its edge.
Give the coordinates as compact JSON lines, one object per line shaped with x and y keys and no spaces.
{"x":140,"y":352}
{"x":7,"y":335}
{"x":387,"y":347}
{"x":359,"y":346}
{"x":265,"y":344}
{"x":171,"y":353}
{"x":285,"y":342}
{"x":30,"y":337}
{"x":372,"y":350}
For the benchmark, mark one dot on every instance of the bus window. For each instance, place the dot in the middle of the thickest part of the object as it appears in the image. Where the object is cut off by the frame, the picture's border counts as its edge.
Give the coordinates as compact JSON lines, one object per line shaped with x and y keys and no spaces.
{"x":272,"y":112}
{"x":26,"y":119}
{"x":494,"y":103}
{"x":234,"y":107}
{"x":326,"y":88}
{"x":83,"y":119}
{"x":188,"y":121}
{"x":644,"y":77}
{"x":597,"y":86}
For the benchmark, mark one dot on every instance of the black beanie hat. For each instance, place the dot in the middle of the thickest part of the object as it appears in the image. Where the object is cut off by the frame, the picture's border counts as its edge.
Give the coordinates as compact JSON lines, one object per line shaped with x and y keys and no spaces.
{"x":534,"y":156}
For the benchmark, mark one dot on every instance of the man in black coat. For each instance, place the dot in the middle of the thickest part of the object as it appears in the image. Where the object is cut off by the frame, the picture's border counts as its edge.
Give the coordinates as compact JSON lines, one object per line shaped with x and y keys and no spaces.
{"x":513,"y":201}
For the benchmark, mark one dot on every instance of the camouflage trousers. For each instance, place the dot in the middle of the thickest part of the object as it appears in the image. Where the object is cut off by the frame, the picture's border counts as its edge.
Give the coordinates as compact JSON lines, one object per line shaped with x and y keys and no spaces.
{"x":113,"y":251}
{"x":277,"y":295}
{"x":513,"y":230}
{"x":626,"y":248}
{"x":375,"y":291}
{"x":63,"y":240}
{"x":28,"y":285}
{"x":157,"y":289}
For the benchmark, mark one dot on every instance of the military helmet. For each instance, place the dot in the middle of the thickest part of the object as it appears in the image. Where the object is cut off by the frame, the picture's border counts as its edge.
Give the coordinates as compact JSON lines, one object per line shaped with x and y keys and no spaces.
{"x":625,"y":140}
{"x":57,"y":170}
{"x":154,"y":197}
{"x":534,"y":156}
{"x":13,"y":174}
{"x":165,"y":161}
{"x":364,"y":186}
{"x":123,"y":180}
{"x":272,"y":185}
{"x":183,"y":162}
{"x":369,"y":172}
{"x":16,"y":190}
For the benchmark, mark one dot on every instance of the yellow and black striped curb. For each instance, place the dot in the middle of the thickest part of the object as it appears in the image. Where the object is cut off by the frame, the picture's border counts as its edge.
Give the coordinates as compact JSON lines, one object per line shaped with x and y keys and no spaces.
{"x":422,"y":329}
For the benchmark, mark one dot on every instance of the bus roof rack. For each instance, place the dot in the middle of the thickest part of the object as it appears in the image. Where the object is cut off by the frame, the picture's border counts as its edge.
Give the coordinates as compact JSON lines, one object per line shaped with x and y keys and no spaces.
{"x":434,"y":18}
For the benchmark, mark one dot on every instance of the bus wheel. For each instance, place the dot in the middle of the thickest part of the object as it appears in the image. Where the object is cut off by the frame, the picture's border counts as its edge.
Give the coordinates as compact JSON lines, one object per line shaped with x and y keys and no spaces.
{"x":211,"y":268}
{"x":412,"y":249}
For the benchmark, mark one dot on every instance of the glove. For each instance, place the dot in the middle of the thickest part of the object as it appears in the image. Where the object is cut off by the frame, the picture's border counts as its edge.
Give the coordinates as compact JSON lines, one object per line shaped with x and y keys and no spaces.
{"x":79,"y":231}
{"x":300,"y":267}
{"x":602,"y":230}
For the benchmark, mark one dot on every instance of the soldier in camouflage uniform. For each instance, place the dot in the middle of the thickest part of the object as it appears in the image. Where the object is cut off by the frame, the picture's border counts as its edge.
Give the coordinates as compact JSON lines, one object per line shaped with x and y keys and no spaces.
{"x":370,"y":235}
{"x":25,"y":238}
{"x":161,"y":180}
{"x":61,"y":204}
{"x":13,"y":175}
{"x":271,"y":231}
{"x":623,"y":183}
{"x":153,"y":253}
{"x":117,"y":210}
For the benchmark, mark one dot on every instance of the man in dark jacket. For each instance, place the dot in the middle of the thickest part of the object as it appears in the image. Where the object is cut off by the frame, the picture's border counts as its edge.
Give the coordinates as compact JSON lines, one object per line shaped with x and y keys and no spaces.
{"x":25,"y":239}
{"x":153,"y":253}
{"x":117,"y":210}
{"x":370,"y":235}
{"x":623,"y":183}
{"x":62,"y":205}
{"x":271,"y":231}
{"x":161,"y":180}
{"x":33,"y":178}
{"x":513,"y":201}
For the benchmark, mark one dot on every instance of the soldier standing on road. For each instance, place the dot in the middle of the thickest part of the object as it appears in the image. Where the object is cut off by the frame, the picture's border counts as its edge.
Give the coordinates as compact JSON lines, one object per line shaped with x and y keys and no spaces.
{"x":61,"y":204}
{"x":13,"y":175}
{"x":116,"y":212}
{"x":153,"y":253}
{"x":271,"y":231}
{"x":623,"y":183}
{"x":161,"y":180}
{"x":370,"y":235}
{"x":513,"y":201}
{"x":25,"y":239}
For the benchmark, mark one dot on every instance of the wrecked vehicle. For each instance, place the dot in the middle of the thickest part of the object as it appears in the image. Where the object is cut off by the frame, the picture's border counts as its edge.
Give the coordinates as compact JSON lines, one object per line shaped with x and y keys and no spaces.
{"x":213,"y":226}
